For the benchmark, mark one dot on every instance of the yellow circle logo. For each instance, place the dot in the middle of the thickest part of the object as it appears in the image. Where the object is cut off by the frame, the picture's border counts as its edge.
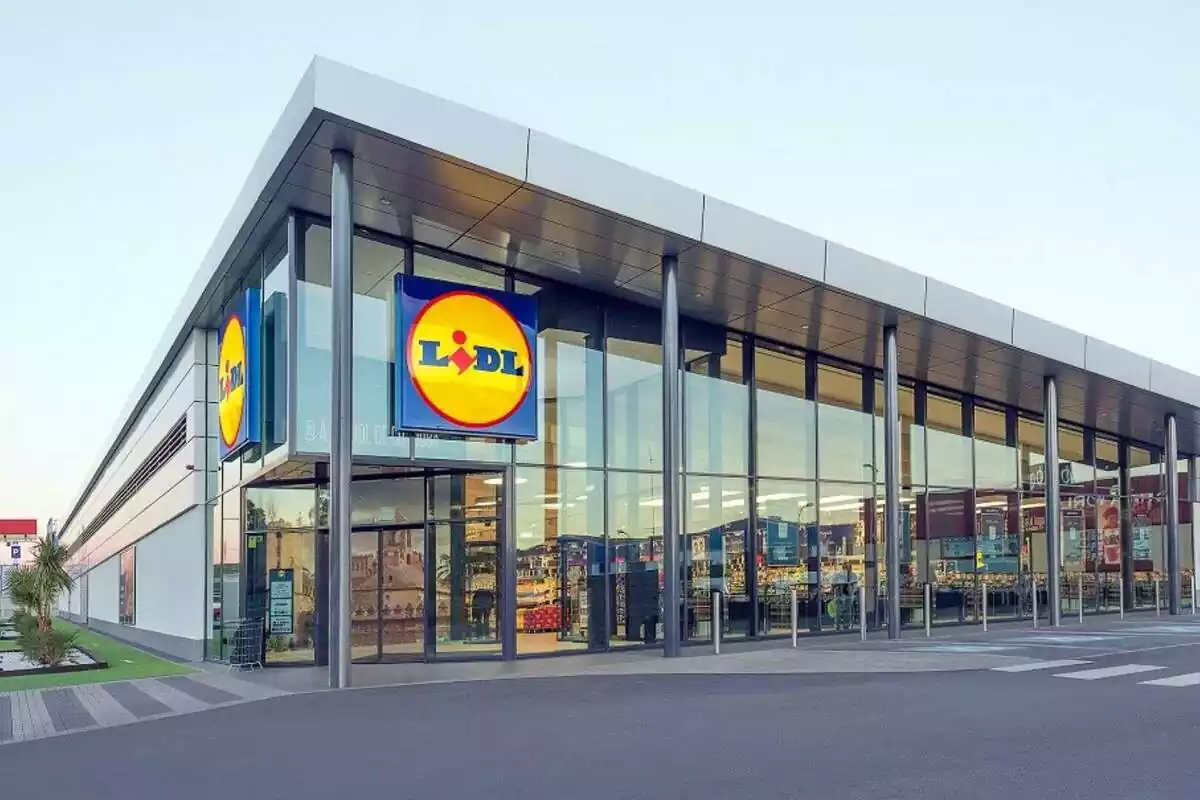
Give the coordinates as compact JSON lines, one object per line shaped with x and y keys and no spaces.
{"x":469,"y":359}
{"x":231,"y":381}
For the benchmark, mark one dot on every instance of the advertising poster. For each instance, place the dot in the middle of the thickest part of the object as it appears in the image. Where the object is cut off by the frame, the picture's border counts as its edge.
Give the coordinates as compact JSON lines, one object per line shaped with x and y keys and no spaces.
{"x":125,"y":587}
{"x":783,"y":543}
{"x":279,"y":614}
{"x":1108,"y":515}
{"x":1072,"y":534}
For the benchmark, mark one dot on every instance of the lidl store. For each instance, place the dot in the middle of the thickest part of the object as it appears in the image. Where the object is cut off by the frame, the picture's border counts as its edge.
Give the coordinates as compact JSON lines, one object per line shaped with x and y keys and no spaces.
{"x":575,"y":399}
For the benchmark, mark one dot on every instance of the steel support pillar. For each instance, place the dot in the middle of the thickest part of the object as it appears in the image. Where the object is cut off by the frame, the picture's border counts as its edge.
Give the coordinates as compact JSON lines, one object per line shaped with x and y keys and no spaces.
{"x":342,"y":429}
{"x":672,"y":454}
{"x":1171,"y":449}
{"x":1053,"y":506}
{"x":891,"y":476}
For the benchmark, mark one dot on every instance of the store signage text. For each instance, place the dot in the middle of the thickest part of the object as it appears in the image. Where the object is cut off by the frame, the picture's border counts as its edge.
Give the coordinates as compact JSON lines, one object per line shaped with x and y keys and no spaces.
{"x":237,"y":377}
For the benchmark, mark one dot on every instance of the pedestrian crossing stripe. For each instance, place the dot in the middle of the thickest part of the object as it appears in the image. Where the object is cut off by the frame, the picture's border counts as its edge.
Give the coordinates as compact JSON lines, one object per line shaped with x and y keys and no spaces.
{"x":963,"y":648}
{"x":1070,"y":638}
{"x":1033,"y":666}
{"x":1108,"y":672}
{"x":1175,"y":681}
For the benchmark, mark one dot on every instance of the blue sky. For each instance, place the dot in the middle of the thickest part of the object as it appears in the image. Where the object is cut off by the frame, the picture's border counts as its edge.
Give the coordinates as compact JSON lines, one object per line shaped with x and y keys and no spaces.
{"x":1042,"y":154}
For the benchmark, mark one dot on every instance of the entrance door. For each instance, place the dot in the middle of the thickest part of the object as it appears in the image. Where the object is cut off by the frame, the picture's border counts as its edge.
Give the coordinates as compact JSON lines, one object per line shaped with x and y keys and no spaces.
{"x":387,"y":593}
{"x":466,"y":591}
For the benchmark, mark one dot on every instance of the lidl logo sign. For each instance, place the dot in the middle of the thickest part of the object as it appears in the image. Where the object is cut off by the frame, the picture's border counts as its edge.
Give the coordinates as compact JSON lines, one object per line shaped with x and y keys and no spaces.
{"x":237,"y":377}
{"x":467,"y":360}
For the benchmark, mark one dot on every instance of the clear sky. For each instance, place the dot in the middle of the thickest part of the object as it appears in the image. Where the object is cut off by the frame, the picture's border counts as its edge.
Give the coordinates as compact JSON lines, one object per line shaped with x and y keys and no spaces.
{"x":1042,"y":154}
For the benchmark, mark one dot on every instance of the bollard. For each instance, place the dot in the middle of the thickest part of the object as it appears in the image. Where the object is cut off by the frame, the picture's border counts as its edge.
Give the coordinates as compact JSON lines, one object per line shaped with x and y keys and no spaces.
{"x":862,"y":613}
{"x":716,"y":621}
{"x":1121,"y":595}
{"x":1157,"y":600}
{"x":1193,"y":594}
{"x":928,"y":608}
{"x":983,"y":593}
{"x":1080,"y":598}
{"x":795,"y":619}
{"x":1035,"y":614}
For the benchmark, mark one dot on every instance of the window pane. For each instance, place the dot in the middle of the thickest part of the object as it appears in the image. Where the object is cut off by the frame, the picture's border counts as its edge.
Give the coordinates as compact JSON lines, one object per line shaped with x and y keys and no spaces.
{"x":912,"y":437}
{"x":1075,"y":474}
{"x":1031,"y":448}
{"x":560,"y":560}
{"x":714,"y":555}
{"x":1108,"y":466}
{"x":716,"y":406}
{"x":949,"y":461}
{"x":786,"y":420}
{"x":995,"y":461}
{"x":274,"y":347}
{"x":787,"y":543}
{"x":634,"y":357}
{"x":635,"y":541}
{"x":950,"y":542}
{"x":845,"y":432}
{"x":843,"y":513}
{"x":570,"y":379}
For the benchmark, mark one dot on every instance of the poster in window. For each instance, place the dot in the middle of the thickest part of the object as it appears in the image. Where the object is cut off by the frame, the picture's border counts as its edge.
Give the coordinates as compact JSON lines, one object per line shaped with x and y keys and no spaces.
{"x":126,"y":589}
{"x":1072,"y":534}
{"x":1110,"y":532}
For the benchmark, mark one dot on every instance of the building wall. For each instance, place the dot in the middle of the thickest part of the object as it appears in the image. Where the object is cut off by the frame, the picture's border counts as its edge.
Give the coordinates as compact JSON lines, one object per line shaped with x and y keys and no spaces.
{"x":169,"y":581}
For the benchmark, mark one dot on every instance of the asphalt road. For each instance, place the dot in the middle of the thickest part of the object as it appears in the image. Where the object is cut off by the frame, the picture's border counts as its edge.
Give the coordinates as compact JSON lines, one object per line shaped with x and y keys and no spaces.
{"x":973,"y":734}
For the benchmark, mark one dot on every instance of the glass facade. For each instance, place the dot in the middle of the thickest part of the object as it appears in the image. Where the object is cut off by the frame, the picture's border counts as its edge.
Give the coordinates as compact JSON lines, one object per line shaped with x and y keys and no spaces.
{"x":781,"y":488}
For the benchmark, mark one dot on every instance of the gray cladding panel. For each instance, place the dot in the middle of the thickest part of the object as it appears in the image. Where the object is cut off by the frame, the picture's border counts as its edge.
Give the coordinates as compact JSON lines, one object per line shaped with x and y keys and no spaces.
{"x":967,"y":311}
{"x":762,"y":239}
{"x":867,"y":276}
{"x":1114,"y":362}
{"x":571,"y":171}
{"x":1037,"y":335}
{"x":1172,"y":382}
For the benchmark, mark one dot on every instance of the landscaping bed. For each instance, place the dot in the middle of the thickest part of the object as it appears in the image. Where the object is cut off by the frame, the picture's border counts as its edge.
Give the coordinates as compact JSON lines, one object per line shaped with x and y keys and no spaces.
{"x":13,"y":663}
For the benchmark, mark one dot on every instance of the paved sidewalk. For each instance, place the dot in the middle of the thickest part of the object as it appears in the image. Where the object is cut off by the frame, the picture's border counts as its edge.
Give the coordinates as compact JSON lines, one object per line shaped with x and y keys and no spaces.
{"x":38,"y":713}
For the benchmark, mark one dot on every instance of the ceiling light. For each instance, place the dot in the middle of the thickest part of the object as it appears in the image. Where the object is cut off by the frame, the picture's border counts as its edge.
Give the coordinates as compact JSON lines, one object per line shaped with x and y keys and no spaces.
{"x":559,"y":254}
{"x":385,"y":201}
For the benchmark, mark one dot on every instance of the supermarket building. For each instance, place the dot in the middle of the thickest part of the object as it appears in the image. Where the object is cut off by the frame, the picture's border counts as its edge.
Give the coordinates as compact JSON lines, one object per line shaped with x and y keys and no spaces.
{"x":542,"y":338}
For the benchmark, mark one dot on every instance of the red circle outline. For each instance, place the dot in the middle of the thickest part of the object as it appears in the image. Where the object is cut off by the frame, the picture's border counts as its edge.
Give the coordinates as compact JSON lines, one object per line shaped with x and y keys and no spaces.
{"x":412,"y":329}
{"x":241,"y":417}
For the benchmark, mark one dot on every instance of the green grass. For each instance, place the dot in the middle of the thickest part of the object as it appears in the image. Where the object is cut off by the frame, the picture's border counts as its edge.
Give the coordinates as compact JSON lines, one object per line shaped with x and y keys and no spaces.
{"x":124,"y":663}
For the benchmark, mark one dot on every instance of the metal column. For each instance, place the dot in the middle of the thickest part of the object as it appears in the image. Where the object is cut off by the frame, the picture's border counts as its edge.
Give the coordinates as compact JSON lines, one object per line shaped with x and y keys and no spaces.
{"x":672,"y":453}
{"x":1172,"y":476}
{"x":1053,"y":510}
{"x":891,"y":476}
{"x":342,"y":430}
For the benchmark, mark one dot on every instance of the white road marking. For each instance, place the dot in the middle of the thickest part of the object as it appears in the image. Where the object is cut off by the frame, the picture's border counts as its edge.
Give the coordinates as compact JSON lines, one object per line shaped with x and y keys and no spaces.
{"x":1108,"y":672}
{"x":1036,"y":665}
{"x":1190,"y":679}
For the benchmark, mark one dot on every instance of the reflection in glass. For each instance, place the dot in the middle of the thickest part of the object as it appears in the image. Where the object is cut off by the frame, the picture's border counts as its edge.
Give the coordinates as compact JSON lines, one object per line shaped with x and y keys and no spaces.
{"x":949,"y":461}
{"x":635,"y":539}
{"x":786,"y":418}
{"x":466,"y":567}
{"x":912,"y":437}
{"x":999,"y":551}
{"x":274,"y":353}
{"x":995,"y":461}
{"x":715,"y":402}
{"x":364,"y":595}
{"x":1075,"y":473}
{"x":561,"y":582}
{"x":634,"y":391}
{"x":787,"y":547}
{"x":1031,"y":450}
{"x":402,"y":606}
{"x":570,"y":377}
{"x":714,"y":556}
{"x":843,"y":511}
{"x":846,"y":435}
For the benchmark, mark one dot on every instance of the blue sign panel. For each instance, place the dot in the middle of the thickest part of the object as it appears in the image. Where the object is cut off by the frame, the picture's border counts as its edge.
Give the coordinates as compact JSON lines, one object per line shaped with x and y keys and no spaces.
{"x":15,"y":551}
{"x":239,"y":422}
{"x":782,"y":543}
{"x":465,"y":360}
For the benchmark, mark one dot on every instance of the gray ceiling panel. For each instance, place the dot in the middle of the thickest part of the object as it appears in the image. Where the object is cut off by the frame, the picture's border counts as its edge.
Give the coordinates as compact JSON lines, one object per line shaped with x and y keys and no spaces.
{"x":763,"y":240}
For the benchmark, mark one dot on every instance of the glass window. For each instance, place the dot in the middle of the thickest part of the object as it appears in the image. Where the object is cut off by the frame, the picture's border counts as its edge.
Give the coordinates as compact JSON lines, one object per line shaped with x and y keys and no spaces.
{"x":633,"y":354}
{"x":570,"y":379}
{"x":1031,"y":448}
{"x":375,"y":265}
{"x":786,"y":418}
{"x":995,"y":460}
{"x":844,"y":513}
{"x":716,"y":403}
{"x":714,"y":555}
{"x":997,"y":518}
{"x":275,"y":349}
{"x":950,"y":543}
{"x":845,"y":432}
{"x":1108,"y":466}
{"x":1075,"y":472}
{"x":635,"y":541}
{"x":949,"y":461}
{"x":787,"y":546}
{"x":561,"y":582}
{"x":231,"y":564}
{"x":912,"y":438}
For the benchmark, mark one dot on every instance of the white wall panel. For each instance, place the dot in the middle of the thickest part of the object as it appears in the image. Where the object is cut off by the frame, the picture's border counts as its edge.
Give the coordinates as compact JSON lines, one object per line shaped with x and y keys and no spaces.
{"x":170,"y":578}
{"x":103,"y":591}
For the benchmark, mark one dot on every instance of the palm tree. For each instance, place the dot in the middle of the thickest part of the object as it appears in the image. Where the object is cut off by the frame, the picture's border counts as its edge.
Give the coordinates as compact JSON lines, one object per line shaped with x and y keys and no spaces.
{"x":51,"y":579}
{"x":20,"y":585}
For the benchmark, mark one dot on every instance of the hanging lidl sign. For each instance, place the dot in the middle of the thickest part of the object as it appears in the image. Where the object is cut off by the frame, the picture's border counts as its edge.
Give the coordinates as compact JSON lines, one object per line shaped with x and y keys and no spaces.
{"x":465,"y":360}
{"x":238,"y":419}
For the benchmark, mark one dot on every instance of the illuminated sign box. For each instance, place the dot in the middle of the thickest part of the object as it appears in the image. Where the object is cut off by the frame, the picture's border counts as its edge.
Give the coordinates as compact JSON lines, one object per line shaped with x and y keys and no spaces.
{"x":239,"y":421}
{"x":465,"y":360}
